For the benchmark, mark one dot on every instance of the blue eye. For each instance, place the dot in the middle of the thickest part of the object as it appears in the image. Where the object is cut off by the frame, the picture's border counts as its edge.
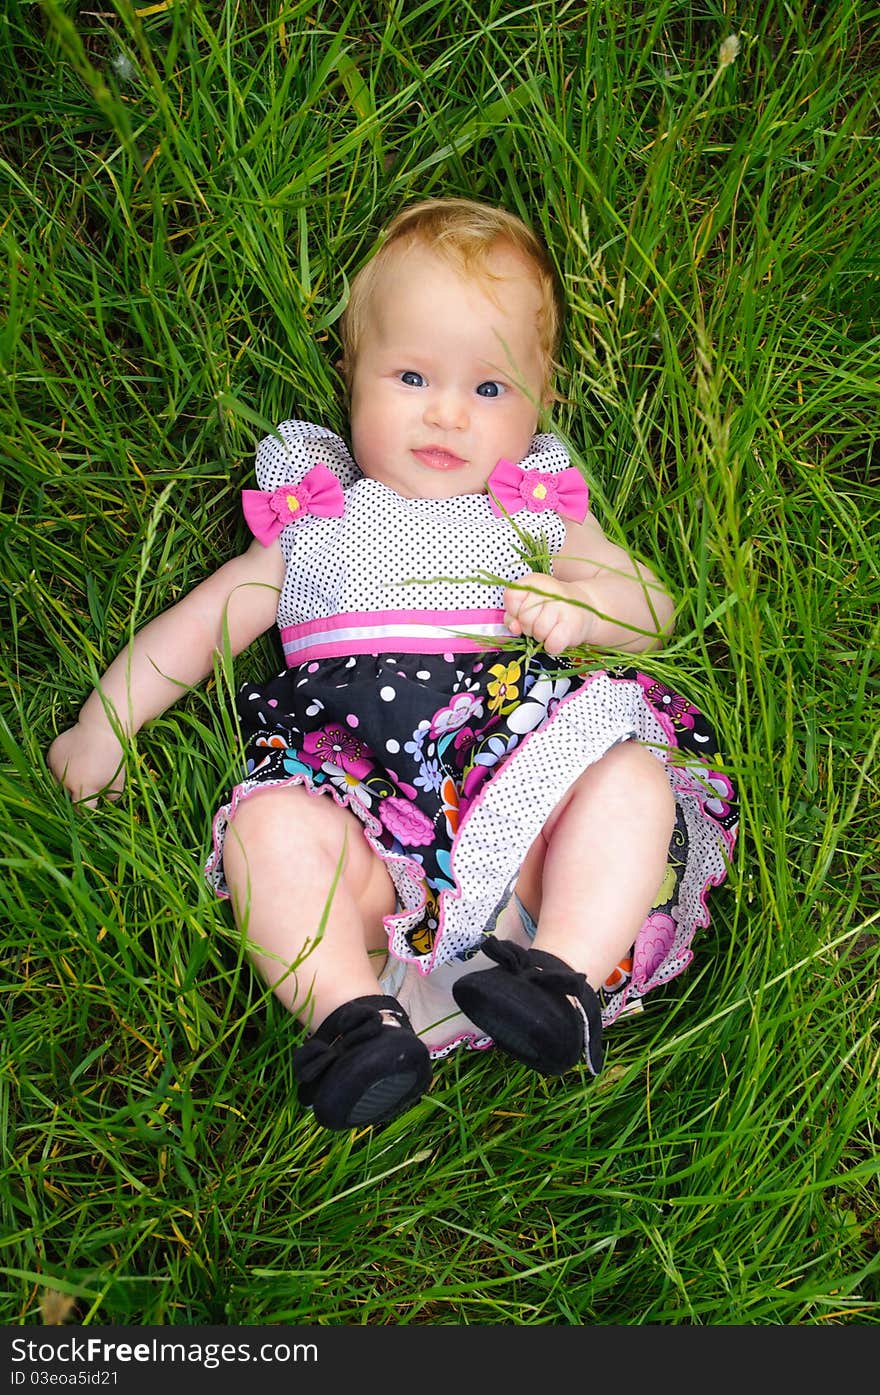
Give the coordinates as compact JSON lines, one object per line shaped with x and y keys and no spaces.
{"x":412,"y":379}
{"x":490,"y":389}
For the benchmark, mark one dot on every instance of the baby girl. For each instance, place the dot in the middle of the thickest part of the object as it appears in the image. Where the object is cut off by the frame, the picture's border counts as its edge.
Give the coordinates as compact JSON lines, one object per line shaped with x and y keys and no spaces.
{"x":509,"y":849}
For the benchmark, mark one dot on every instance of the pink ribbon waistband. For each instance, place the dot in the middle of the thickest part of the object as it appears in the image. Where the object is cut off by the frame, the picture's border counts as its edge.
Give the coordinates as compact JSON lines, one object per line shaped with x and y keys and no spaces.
{"x":386,"y":631}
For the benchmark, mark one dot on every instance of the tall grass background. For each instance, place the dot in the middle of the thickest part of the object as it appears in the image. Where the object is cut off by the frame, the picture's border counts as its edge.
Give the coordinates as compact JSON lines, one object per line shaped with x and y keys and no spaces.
{"x":187,"y":190}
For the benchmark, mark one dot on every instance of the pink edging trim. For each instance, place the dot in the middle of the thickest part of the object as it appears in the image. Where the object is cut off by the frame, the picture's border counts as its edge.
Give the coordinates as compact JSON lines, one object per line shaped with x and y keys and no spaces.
{"x":437,"y":1053}
{"x":370,"y":825}
{"x":728,"y":835}
{"x":448,"y":618}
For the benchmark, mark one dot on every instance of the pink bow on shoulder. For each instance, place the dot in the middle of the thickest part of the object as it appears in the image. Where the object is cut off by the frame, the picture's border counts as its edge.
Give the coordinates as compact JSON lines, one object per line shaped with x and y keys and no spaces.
{"x":512,"y":489}
{"x":268,"y":511}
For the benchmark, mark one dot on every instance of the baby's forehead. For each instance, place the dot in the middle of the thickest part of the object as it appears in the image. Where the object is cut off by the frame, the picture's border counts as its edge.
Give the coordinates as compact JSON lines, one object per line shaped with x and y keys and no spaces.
{"x":412,"y":269}
{"x":483,"y":267}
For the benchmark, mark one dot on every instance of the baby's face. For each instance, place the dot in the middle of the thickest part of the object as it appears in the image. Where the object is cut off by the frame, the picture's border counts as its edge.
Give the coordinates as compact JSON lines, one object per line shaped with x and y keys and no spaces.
{"x":447,"y":382}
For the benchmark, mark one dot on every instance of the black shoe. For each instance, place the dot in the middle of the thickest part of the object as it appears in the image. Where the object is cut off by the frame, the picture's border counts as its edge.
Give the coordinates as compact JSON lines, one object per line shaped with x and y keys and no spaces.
{"x":363,"y":1065}
{"x":535,"y":1008}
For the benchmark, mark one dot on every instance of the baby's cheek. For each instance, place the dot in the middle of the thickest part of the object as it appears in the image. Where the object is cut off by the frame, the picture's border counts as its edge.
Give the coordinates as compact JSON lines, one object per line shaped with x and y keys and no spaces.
{"x":368,"y":432}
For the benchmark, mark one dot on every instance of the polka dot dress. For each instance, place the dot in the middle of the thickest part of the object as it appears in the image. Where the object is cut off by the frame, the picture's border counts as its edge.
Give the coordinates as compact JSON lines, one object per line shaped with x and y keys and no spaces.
{"x":452,"y":752}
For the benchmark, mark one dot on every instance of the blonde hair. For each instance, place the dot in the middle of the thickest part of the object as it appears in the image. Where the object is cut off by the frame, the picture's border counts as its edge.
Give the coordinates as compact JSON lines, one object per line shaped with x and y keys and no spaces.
{"x":464,"y":233}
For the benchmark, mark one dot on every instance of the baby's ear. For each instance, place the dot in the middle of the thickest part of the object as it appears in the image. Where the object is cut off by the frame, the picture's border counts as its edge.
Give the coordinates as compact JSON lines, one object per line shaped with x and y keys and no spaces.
{"x":342,"y":369}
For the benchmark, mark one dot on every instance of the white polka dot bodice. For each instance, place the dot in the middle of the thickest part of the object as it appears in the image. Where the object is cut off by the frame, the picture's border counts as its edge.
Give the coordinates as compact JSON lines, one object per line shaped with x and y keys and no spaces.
{"x":387,"y":555}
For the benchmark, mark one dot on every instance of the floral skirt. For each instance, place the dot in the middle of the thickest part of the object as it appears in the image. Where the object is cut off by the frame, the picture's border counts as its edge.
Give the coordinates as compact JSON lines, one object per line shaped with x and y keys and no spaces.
{"x":453,"y":762}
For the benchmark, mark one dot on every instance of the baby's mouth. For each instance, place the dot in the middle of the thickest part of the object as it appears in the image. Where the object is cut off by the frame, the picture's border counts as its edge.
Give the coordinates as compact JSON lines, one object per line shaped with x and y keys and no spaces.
{"x":437,"y":458}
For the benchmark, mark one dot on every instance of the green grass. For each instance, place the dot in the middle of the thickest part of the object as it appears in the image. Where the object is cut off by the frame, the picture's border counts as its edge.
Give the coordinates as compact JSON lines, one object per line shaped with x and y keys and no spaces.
{"x":185,"y":194}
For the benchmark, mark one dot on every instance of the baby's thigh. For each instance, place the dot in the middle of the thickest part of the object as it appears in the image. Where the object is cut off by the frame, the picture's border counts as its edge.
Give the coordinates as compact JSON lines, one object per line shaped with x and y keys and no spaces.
{"x":296,"y":839}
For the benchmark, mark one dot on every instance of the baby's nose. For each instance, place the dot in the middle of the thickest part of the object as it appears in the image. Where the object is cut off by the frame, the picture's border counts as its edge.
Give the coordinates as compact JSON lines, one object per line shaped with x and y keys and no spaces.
{"x":447,"y":409}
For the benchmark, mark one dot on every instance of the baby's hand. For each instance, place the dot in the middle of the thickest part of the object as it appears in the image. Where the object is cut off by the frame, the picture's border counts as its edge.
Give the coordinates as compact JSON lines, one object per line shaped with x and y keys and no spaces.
{"x":549,"y":617}
{"x":87,"y":761}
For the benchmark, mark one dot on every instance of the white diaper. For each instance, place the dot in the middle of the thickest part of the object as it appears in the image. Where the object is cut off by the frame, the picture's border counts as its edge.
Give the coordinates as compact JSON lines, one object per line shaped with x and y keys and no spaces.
{"x":427,"y":998}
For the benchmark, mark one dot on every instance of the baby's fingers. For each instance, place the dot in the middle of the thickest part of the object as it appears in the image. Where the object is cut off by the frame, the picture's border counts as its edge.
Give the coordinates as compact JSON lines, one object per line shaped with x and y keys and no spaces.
{"x":556,"y":638}
{"x":551,"y":629}
{"x":536,"y":618}
{"x":550,"y":623}
{"x":522,"y":603}
{"x":513,"y":601}
{"x":87,"y":770}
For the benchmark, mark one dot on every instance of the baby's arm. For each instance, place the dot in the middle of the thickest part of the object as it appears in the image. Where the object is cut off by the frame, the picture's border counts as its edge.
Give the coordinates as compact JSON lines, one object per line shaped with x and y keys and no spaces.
{"x":619,"y":603}
{"x":168,"y":656}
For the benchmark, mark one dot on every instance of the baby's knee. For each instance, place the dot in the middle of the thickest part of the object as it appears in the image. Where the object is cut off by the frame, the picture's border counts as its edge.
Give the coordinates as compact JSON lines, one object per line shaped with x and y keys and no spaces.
{"x":651,"y":781}
{"x":633,"y":760}
{"x":292,"y":829}
{"x":631,"y":772}
{"x":287,"y":811}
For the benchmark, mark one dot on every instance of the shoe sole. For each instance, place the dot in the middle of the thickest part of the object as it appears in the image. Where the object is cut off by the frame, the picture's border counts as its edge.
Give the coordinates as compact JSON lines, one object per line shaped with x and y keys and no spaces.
{"x":506,"y":1037}
{"x":507,"y":1040}
{"x":387,"y":1098}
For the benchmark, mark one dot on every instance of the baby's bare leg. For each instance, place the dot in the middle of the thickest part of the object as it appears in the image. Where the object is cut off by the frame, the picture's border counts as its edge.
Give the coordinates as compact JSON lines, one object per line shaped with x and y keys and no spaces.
{"x":592,"y":877}
{"x":292,"y":862}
